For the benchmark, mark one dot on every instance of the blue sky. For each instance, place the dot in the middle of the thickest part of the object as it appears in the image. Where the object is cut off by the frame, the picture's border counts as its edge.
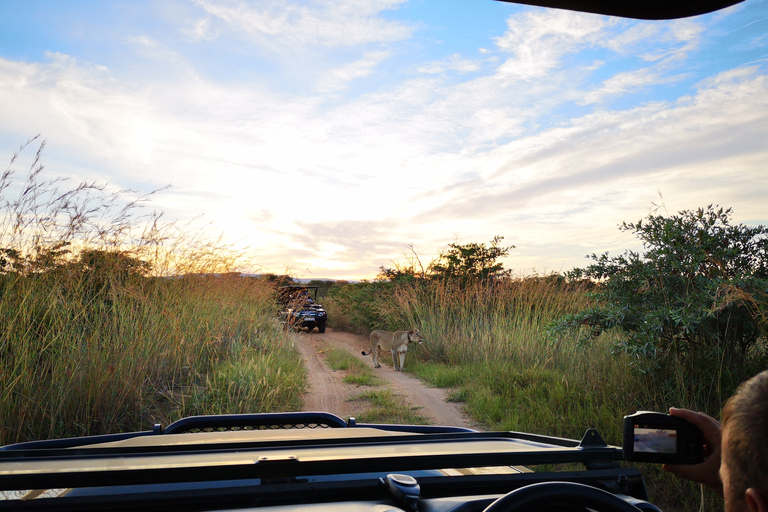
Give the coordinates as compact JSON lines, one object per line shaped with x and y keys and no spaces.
{"x":394,"y":123}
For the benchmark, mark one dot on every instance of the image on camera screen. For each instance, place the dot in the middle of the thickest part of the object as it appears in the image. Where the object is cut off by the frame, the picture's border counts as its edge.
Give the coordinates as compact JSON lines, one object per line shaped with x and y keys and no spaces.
{"x":651,"y":440}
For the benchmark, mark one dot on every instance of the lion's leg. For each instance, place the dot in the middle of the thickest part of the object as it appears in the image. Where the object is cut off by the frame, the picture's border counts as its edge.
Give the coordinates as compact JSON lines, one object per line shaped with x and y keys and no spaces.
{"x":402,"y":359}
{"x":395,"y":361}
{"x":375,"y":354}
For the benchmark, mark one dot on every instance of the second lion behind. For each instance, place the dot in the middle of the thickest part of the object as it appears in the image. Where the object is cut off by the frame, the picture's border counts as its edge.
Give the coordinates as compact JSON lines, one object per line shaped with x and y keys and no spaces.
{"x":396,"y":342}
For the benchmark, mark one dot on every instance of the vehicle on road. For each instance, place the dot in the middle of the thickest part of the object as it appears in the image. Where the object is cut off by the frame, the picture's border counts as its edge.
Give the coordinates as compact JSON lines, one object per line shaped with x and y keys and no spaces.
{"x":300,"y":308}
{"x":318,"y":462}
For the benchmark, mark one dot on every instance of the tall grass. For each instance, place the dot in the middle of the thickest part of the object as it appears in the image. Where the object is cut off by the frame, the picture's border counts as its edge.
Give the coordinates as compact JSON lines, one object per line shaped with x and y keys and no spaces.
{"x":516,"y":376}
{"x":486,"y":322}
{"x":111,"y":320}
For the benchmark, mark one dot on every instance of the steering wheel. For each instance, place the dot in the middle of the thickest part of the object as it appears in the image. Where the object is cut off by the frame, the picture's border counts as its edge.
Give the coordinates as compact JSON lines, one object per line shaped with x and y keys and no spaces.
{"x":538,"y":496}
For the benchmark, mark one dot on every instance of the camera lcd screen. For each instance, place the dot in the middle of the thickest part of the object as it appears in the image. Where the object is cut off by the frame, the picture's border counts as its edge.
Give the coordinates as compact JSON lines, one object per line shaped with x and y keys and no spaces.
{"x":653,"y":440}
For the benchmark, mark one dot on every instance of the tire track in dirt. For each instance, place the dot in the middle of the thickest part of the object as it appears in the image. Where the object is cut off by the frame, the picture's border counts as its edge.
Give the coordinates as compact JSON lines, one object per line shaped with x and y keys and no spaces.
{"x":328,"y":393}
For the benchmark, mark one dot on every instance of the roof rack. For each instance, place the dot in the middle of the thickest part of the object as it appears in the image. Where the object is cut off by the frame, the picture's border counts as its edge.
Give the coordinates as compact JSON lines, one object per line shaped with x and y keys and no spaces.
{"x":222,"y":456}
{"x":227,"y":422}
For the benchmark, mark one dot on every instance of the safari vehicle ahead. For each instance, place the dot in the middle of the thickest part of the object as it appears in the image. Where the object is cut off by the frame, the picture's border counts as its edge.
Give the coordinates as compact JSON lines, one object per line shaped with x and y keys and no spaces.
{"x":300,"y":308}
{"x":317,"y":462}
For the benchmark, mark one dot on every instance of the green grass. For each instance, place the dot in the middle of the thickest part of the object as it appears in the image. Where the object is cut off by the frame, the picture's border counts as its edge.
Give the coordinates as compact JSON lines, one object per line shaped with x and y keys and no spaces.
{"x":362,"y":380}
{"x":387,"y":407}
{"x":356,"y":372}
{"x":440,"y":375}
{"x":248,"y":382}
{"x":502,"y":397}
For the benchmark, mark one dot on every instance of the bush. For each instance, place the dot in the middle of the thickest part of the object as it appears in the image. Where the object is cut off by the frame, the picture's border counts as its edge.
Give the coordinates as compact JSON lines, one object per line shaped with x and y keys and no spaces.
{"x":694,"y":303}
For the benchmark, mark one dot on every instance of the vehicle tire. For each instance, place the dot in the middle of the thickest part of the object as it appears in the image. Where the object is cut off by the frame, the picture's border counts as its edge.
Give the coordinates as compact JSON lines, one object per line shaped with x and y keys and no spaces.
{"x":321,"y":328}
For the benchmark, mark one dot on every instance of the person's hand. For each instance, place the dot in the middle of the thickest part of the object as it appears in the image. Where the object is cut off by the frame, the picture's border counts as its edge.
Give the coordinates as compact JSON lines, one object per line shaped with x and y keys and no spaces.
{"x":708,"y":472}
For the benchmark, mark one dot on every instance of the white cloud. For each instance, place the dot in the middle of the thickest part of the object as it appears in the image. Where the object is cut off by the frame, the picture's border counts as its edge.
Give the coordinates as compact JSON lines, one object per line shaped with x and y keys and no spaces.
{"x":658,"y":141}
{"x":453,"y":63}
{"x":201,"y":31}
{"x":680,"y":38}
{"x":544,"y":46}
{"x":337,"y":79}
{"x":627,"y":39}
{"x":334,"y":24}
{"x":538,"y":40}
{"x":624,"y":83}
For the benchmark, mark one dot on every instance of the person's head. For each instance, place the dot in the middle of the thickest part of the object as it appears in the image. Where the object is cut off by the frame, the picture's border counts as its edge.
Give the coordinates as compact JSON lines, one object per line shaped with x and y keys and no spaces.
{"x":744,"y":465}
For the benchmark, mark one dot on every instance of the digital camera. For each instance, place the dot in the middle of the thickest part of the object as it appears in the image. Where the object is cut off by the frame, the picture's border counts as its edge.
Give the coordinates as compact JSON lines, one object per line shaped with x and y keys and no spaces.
{"x":661,"y":438}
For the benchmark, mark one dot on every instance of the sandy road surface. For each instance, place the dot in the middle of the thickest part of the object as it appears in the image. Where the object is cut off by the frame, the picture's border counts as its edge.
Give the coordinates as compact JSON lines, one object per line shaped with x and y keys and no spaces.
{"x":328,"y":393}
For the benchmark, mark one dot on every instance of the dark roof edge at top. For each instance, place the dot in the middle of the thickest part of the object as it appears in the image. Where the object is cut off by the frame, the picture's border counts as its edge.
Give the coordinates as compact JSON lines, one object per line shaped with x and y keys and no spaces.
{"x":638,"y":9}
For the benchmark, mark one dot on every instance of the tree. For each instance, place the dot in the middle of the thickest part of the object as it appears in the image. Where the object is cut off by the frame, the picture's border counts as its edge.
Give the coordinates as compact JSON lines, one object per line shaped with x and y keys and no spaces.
{"x":471,"y":262}
{"x":698,"y":293}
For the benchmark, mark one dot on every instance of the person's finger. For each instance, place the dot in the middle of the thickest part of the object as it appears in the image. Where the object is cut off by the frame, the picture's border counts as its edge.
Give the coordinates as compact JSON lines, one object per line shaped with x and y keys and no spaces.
{"x":708,"y":472}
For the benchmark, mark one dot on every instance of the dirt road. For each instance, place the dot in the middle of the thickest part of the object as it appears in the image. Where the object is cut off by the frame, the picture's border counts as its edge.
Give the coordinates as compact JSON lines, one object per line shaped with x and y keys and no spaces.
{"x":328,"y":393}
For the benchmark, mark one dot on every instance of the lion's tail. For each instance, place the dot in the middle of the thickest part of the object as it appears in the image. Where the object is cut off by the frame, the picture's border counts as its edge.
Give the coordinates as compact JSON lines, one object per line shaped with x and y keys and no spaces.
{"x":365,"y":353}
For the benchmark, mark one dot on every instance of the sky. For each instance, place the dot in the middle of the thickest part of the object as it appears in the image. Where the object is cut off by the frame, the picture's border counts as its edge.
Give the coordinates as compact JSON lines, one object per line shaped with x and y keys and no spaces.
{"x":329,"y":138}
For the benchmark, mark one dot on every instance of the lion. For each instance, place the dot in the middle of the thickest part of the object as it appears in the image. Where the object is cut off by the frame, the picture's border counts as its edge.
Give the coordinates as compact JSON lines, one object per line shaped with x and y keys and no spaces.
{"x":396,"y":342}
